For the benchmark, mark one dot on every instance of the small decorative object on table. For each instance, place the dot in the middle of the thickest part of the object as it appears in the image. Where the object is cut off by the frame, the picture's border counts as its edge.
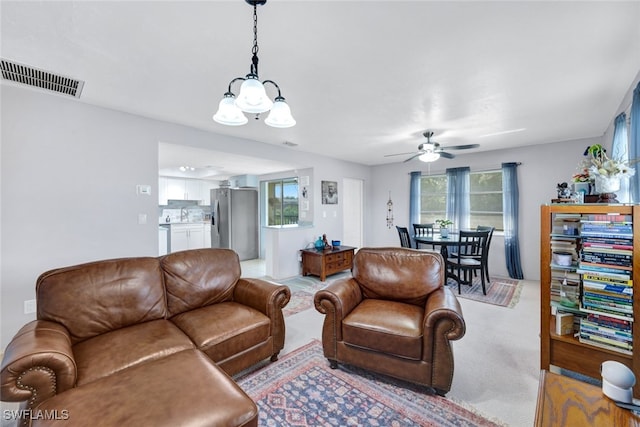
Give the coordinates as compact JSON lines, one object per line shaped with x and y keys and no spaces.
{"x":319,"y":244}
{"x":444,"y":227}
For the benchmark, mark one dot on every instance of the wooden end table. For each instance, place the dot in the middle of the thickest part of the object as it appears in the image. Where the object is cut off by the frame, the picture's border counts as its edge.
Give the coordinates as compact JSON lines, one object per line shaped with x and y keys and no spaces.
{"x":564,"y":401}
{"x":326,"y":262}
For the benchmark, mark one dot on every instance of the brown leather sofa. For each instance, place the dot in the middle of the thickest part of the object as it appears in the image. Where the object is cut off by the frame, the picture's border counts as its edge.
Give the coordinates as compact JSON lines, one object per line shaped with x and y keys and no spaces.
{"x":102,"y":322}
{"x":394,"y":317}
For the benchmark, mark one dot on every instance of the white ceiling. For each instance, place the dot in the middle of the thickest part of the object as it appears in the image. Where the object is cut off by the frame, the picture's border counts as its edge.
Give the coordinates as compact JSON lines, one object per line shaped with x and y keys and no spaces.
{"x":363,"y":78}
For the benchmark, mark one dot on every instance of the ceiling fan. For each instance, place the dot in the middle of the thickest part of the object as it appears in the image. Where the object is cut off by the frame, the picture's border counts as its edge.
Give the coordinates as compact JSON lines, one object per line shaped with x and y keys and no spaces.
{"x":431,"y":151}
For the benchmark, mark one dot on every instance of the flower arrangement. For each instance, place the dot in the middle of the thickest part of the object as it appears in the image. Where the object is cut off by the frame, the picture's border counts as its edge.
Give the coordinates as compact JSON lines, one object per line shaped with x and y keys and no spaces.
{"x":598,"y":164}
{"x":443,"y":223}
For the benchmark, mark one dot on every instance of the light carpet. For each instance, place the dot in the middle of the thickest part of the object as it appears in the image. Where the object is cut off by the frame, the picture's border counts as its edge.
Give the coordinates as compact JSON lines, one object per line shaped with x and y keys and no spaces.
{"x":301,"y":389}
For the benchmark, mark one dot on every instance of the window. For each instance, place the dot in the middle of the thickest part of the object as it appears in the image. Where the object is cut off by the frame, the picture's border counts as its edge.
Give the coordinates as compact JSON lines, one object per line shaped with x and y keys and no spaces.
{"x":281,"y":202}
{"x":485,"y":198}
{"x":433,"y":198}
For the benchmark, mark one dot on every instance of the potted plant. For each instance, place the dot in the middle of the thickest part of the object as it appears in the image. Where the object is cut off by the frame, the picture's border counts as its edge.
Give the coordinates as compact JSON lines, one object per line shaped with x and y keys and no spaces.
{"x":444,"y":226}
{"x":605,"y":172}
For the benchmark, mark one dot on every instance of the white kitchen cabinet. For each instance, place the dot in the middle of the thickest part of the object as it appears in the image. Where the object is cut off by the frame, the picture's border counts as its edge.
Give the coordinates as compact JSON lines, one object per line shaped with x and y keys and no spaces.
{"x":182,"y":189}
{"x":207,"y":235}
{"x":187,"y":236}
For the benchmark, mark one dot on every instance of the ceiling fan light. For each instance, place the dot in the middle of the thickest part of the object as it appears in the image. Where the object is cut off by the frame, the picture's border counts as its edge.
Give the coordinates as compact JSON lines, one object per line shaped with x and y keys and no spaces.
{"x":429,"y":156}
{"x":280,"y":115}
{"x":253,"y":97}
{"x":228,"y":113}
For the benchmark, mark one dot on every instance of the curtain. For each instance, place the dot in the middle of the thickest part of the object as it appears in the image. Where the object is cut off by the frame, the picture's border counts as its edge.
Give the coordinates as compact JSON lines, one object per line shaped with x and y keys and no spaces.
{"x":619,"y":152}
{"x":414,"y":199}
{"x":510,"y":203}
{"x":458,"y":204}
{"x":634,"y":143}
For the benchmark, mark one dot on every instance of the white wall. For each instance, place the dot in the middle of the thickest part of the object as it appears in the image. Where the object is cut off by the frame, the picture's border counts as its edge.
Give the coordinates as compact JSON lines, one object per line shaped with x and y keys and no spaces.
{"x":68,"y":184}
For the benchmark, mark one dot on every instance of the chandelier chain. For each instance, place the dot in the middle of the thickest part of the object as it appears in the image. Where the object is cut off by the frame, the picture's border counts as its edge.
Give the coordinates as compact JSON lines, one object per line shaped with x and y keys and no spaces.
{"x":254,"y":50}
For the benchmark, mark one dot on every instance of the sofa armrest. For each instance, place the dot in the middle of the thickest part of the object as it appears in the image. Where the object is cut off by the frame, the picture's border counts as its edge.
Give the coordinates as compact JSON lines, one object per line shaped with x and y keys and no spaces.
{"x":268,"y":298}
{"x":38,"y":363}
{"x":335,"y":302}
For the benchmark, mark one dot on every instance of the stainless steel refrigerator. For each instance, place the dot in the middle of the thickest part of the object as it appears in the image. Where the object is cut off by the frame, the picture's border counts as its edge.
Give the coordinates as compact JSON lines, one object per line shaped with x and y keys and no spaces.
{"x":234,"y":221}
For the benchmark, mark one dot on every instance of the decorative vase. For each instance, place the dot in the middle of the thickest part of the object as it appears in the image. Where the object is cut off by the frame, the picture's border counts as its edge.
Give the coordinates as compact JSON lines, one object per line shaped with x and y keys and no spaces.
{"x":606,"y":187}
{"x":444,"y":232}
{"x":319,"y":244}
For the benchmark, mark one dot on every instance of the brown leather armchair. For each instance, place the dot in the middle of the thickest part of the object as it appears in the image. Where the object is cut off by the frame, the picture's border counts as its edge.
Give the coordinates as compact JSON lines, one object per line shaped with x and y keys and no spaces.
{"x":394,"y":317}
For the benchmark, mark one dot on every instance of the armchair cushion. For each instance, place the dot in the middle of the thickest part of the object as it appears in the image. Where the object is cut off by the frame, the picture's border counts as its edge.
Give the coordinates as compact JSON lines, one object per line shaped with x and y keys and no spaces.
{"x":385,"y":326}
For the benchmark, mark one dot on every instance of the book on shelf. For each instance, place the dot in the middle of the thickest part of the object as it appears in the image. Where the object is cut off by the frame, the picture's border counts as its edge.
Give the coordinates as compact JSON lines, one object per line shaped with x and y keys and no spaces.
{"x":587,"y":340}
{"x":595,"y":295}
{"x":624,"y":335}
{"x":611,"y":322}
{"x":607,"y":312}
{"x":606,"y":339}
{"x":564,"y":323}
{"x":620,"y":277}
{"x":606,"y":218}
{"x":605,"y":268}
{"x":594,"y":246}
{"x":611,"y":287}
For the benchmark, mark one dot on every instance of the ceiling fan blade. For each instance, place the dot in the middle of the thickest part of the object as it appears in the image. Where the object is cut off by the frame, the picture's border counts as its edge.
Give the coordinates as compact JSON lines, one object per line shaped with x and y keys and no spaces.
{"x":399,"y":154}
{"x":446,"y":155}
{"x":413,"y":157}
{"x":462,"y":147}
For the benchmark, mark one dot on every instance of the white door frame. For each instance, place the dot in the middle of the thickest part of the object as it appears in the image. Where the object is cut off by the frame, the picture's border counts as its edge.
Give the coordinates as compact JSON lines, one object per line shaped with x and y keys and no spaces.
{"x":353,"y":212}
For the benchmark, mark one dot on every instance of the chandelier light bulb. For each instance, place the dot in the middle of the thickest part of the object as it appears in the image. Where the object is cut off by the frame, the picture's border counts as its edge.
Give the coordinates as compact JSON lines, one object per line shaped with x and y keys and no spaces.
{"x":253,"y":97}
{"x":228,"y":113}
{"x":280,"y":115}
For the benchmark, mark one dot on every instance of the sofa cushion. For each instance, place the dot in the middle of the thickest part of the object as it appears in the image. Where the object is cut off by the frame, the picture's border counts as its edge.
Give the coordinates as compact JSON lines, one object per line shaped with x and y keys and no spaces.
{"x":199,"y":277}
{"x":225,"y":329}
{"x":94,"y":298}
{"x":115,"y":351}
{"x":398,"y":274}
{"x":183,"y":389}
{"x":386,"y":326}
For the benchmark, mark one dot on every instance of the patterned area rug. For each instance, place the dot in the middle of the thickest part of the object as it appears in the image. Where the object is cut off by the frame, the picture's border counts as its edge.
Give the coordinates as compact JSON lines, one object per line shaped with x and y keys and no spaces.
{"x":301,"y":390}
{"x":501,"y":291}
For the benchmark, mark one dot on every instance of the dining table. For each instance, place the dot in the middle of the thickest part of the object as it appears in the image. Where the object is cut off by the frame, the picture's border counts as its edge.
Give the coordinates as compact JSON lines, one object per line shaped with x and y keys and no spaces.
{"x":438,"y":240}
{"x":444,"y":243}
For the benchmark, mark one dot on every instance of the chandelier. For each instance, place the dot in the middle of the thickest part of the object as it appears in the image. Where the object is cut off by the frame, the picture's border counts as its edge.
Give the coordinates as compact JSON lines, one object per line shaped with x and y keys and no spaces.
{"x":253,"y":97}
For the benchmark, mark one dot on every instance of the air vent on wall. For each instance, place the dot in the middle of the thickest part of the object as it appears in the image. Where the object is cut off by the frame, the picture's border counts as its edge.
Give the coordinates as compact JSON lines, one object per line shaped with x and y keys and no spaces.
{"x":31,"y":76}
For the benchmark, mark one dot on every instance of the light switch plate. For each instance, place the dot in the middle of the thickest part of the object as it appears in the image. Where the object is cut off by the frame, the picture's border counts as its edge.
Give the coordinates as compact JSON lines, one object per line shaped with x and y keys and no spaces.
{"x":143,"y":189}
{"x":29,"y":306}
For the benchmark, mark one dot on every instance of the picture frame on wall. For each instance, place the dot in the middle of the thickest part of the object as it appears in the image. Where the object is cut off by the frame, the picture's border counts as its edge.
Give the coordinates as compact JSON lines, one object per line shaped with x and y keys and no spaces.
{"x":329,"y":192}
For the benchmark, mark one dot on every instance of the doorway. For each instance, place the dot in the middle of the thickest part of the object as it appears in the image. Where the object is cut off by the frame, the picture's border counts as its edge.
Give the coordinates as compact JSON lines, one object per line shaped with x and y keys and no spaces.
{"x":352,"y":212}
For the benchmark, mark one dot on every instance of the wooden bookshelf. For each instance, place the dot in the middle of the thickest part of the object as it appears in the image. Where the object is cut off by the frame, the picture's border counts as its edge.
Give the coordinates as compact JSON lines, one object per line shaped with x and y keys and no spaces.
{"x":566,"y":351}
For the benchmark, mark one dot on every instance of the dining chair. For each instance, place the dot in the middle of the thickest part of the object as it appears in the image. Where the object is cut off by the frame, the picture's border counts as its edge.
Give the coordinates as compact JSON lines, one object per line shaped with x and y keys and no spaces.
{"x":491,"y":230}
{"x":470,"y":257}
{"x":423,"y":230}
{"x":405,"y":238}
